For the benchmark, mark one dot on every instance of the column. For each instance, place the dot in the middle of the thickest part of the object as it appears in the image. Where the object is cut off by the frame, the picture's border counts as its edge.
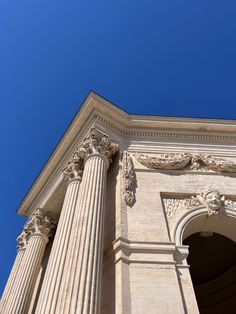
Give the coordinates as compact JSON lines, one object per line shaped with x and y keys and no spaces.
{"x":55,"y":267}
{"x":80,"y":290}
{"x":39,"y":228}
{"x":80,"y":284}
{"x":21,"y":245}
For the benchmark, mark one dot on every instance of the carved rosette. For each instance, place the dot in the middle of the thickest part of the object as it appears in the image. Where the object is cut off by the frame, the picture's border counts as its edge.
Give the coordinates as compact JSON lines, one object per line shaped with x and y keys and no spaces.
{"x":97,"y":143}
{"x":40,"y":224}
{"x":177,"y":161}
{"x":74,"y":168}
{"x":128,"y":179}
{"x":22,"y":240}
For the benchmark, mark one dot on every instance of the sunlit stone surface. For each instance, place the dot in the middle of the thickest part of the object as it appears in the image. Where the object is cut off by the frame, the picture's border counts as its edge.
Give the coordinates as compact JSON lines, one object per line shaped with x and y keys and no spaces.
{"x":126,"y":210}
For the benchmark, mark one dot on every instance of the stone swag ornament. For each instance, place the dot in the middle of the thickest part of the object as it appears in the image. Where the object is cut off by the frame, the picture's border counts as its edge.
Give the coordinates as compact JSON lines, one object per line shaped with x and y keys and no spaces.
{"x":178,"y":161}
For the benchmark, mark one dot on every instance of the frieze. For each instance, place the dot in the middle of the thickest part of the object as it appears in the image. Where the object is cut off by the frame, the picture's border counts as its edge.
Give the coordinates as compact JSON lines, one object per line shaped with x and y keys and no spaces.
{"x":178,"y":161}
{"x":128,"y":179}
{"x":210,"y":198}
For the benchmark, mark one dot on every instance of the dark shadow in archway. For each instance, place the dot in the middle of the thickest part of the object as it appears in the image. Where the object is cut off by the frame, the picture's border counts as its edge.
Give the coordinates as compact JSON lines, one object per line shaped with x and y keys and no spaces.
{"x":212,"y":260}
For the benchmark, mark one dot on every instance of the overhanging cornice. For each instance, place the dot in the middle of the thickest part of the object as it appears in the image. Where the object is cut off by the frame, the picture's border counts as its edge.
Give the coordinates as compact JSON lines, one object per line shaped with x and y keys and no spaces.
{"x":97,"y":109}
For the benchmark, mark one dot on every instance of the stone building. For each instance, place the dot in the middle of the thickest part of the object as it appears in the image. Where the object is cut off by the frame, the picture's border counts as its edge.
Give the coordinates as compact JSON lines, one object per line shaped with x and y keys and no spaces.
{"x":131,"y":214}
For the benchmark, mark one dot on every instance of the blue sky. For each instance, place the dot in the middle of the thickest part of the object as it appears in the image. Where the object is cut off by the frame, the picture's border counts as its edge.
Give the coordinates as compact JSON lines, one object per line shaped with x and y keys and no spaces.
{"x":161,"y":57}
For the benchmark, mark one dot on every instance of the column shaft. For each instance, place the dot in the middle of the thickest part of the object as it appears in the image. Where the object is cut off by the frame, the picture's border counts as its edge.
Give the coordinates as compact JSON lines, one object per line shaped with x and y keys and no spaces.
{"x":24,"y":284}
{"x":10,"y":283}
{"x":56,"y":264}
{"x":79,"y":291}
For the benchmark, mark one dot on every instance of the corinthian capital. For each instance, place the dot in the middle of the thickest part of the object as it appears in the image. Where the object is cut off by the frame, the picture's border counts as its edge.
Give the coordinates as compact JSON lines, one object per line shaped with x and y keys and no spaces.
{"x":98,"y":143}
{"x":40,"y":224}
{"x":22,"y":240}
{"x":74,"y":168}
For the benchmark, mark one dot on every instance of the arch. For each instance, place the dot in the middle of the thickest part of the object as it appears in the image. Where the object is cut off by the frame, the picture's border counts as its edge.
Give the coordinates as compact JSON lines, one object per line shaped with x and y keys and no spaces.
{"x":196,"y":217}
{"x":193,"y":221}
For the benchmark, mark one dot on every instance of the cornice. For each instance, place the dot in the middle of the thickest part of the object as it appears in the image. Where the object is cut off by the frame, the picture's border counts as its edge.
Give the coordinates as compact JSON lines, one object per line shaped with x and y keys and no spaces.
{"x":96,"y":110}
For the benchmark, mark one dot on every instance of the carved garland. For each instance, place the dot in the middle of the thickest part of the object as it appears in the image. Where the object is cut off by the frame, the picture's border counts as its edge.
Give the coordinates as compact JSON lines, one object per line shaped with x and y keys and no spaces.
{"x":128,"y":179}
{"x":179,"y":161}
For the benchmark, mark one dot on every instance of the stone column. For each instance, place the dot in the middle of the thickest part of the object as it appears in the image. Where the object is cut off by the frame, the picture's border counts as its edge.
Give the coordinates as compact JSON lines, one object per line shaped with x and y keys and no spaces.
{"x":21,"y":245}
{"x":55,"y":267}
{"x":80,"y":286}
{"x":39,"y":229}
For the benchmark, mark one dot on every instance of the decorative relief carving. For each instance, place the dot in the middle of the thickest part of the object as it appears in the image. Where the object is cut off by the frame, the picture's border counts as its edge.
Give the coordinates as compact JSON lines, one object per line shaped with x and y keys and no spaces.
{"x":39,"y":224}
{"x":128,"y":179}
{"x":164,"y":161}
{"x":22,"y":240}
{"x":74,"y":168}
{"x":213,"y":163}
{"x":173,"y":205}
{"x":96,"y":142}
{"x":211,"y":199}
{"x":196,"y":162}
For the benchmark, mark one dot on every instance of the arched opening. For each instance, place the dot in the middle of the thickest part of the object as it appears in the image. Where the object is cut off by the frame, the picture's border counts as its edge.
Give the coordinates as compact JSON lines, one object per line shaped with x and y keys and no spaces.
{"x":212,"y":260}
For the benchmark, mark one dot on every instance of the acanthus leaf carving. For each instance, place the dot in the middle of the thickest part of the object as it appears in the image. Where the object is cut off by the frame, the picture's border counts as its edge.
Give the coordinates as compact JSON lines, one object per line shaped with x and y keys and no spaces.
{"x":22,"y":240}
{"x":97,"y":142}
{"x":74,"y":168}
{"x":128,"y":179}
{"x":39,"y":223}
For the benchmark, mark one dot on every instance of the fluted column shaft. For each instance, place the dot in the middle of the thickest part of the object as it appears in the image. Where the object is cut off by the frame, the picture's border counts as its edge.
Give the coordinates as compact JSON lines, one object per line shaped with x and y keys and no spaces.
{"x":77,"y":253}
{"x":56,"y":264}
{"x":79,"y":292}
{"x":11,"y":279}
{"x":39,"y":230}
{"x":23,"y":287}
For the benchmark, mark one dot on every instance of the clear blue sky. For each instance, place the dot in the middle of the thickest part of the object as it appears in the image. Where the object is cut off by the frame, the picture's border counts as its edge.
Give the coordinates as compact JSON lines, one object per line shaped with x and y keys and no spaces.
{"x":162,"y":57}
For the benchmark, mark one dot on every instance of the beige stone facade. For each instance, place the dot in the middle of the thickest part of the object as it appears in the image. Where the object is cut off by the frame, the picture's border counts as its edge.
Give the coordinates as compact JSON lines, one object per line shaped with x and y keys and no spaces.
{"x":131,"y":214}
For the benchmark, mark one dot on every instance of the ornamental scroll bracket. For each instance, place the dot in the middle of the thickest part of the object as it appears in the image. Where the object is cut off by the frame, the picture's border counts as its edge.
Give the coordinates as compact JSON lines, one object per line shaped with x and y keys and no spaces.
{"x":210,"y":198}
{"x":178,"y":161}
{"x":128,"y":179}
